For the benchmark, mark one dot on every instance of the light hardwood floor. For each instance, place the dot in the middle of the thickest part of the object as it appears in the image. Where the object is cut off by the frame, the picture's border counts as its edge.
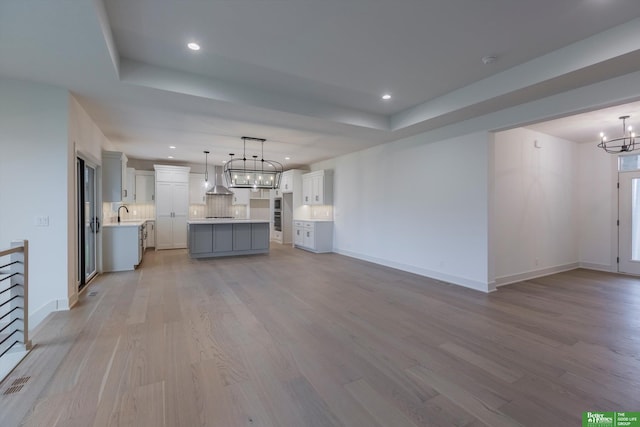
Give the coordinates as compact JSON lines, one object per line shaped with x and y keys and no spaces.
{"x":295,"y":339}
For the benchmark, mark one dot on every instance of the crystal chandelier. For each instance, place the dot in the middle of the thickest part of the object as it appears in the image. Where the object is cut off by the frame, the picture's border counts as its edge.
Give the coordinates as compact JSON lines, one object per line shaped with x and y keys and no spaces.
{"x":252,"y":173}
{"x":623,"y":144}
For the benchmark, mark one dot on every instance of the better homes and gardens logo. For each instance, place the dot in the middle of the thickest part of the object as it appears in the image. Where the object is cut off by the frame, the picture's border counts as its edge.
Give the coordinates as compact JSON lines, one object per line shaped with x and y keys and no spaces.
{"x":610,"y":419}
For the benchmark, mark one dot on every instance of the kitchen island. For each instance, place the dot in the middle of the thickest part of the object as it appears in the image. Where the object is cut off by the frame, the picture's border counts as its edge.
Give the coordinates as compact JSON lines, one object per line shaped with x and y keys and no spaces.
{"x":227,"y":237}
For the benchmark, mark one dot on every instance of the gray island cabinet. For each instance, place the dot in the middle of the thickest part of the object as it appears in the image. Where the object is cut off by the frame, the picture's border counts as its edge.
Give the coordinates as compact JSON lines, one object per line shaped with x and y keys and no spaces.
{"x":215,"y":238}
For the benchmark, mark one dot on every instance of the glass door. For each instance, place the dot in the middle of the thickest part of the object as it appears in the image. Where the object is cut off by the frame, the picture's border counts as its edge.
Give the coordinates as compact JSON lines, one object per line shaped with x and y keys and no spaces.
{"x":629,"y":222}
{"x":88,"y":223}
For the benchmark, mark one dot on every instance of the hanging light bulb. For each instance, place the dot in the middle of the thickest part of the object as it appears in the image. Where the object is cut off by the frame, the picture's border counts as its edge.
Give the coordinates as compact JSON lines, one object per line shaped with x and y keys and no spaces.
{"x":623,"y":144}
{"x":206,"y":170}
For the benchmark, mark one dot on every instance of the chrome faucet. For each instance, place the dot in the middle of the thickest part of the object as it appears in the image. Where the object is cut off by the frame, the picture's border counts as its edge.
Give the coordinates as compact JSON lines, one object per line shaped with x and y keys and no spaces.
{"x":125,"y":208}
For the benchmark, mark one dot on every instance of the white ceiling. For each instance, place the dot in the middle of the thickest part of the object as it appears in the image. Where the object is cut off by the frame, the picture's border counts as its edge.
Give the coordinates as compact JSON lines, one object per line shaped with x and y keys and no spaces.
{"x":586,"y":127}
{"x":308,"y":75}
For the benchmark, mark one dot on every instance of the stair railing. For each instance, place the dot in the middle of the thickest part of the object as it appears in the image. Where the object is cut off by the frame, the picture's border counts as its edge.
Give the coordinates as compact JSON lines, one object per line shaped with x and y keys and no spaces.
{"x":14,"y":298}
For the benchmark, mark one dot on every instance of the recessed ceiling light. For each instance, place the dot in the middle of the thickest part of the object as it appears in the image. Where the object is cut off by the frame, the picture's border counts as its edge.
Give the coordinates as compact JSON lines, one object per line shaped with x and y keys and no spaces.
{"x":173,"y":147}
{"x":170,"y":157}
{"x":489,"y":59}
{"x":287,"y":158}
{"x":193,"y":46}
{"x":386,"y":96}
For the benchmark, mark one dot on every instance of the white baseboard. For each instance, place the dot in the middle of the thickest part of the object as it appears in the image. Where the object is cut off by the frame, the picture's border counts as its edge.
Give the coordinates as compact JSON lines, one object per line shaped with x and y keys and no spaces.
{"x":599,"y":267}
{"x":37,"y":316}
{"x":444,"y":277}
{"x":515,"y":278}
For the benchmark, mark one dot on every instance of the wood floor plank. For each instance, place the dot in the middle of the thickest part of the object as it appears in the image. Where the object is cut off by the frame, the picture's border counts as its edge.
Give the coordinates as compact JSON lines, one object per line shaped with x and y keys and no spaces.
{"x":384,"y":413}
{"x":327,"y":381}
{"x":299,"y":339}
{"x":503,"y":373}
{"x":443,"y":413}
{"x":463,"y":398}
{"x":141,"y":407}
{"x":314,"y":410}
{"x":138,"y":307}
{"x":248,"y":409}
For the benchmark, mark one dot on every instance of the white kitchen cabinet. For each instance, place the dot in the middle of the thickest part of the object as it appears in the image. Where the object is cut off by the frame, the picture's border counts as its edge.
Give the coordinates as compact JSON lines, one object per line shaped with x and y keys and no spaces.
{"x":197,"y":189}
{"x":290,"y":181}
{"x":286,"y":182}
{"x":314,"y":236}
{"x":276,"y":236}
{"x":317,"y":188}
{"x":240,"y":196}
{"x":150,"y":234}
{"x":145,"y":189}
{"x":129,"y":194}
{"x":172,"y":206}
{"x":298,"y":234}
{"x":114,"y":176}
{"x":121,"y":247}
{"x":261,"y":194}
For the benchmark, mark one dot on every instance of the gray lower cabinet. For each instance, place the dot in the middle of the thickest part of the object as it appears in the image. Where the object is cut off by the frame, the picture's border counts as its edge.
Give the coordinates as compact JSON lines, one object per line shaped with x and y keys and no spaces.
{"x":259,"y":236}
{"x":121,"y":247}
{"x":223,"y":238}
{"x":213,"y":240}
{"x":241,"y":237}
{"x":201,"y":239}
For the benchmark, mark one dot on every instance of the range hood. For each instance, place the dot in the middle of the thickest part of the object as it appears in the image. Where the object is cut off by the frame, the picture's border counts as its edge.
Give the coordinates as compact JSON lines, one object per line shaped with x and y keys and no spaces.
{"x":218,"y":189}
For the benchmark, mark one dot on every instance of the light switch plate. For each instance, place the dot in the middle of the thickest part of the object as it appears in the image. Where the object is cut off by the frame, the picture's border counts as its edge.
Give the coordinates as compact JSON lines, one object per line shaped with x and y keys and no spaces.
{"x":42,"y":221}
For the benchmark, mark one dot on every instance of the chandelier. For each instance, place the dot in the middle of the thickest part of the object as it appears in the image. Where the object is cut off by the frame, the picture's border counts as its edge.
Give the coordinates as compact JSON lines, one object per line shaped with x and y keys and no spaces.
{"x":623,"y":144}
{"x":252,"y":173}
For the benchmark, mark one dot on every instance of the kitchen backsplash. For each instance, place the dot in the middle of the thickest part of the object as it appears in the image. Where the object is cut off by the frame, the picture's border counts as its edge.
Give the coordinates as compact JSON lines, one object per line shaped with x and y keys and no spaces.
{"x":136,"y":211}
{"x":322,"y":212}
{"x":148,"y":211}
{"x":202,"y":211}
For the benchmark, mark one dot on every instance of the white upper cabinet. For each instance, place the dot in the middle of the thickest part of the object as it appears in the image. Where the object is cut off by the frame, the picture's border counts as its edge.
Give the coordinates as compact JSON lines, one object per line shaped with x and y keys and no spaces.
{"x":171,"y":173}
{"x":197,"y":189}
{"x":286,"y":183}
{"x":261,"y":194}
{"x":317,"y":188}
{"x":145,"y":187}
{"x":240,"y":196}
{"x":129,"y":194}
{"x":114,"y":176}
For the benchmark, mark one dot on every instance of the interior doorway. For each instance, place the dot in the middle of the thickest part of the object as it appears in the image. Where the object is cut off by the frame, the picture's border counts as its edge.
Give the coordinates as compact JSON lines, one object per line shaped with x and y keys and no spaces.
{"x":88,"y":222}
{"x":629,"y":222}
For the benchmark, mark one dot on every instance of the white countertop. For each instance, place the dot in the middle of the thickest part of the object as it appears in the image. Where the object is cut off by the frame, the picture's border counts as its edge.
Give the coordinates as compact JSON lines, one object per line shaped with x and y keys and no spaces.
{"x":314,"y":220}
{"x":227,"y":221}
{"x":128,"y":223}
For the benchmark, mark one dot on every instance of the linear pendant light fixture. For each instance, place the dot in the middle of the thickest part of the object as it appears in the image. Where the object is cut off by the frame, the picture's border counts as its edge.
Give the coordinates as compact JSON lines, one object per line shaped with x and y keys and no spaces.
{"x":623,"y":144}
{"x":255,"y":174}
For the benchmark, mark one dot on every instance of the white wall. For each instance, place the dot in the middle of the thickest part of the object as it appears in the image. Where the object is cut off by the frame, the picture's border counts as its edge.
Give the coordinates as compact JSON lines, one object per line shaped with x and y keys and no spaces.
{"x":34,"y":182}
{"x":84,"y":134}
{"x":86,"y":140}
{"x":418,"y":206}
{"x":597,"y":206}
{"x":535,"y":224}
